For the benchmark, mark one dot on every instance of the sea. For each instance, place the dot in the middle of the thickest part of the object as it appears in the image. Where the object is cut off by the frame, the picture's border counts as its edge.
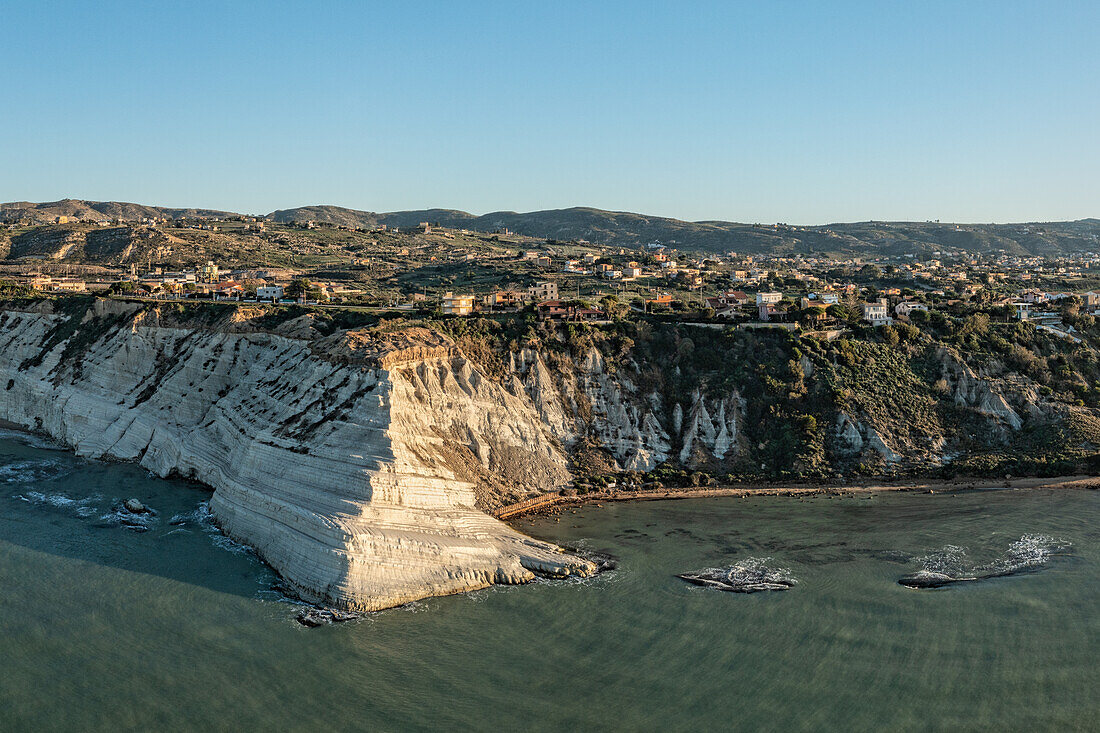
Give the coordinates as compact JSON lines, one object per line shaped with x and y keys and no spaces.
{"x":110,"y":622}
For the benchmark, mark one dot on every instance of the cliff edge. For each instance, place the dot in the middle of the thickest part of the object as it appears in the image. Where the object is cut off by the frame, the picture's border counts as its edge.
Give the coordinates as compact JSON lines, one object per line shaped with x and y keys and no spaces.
{"x":356,"y":465}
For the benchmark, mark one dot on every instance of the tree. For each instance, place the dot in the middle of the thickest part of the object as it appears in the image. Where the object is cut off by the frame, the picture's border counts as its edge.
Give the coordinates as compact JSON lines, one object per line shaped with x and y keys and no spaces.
{"x":812,"y":314}
{"x":298,"y":288}
{"x":870,"y":272}
{"x":613,"y":308}
{"x":250,"y":285}
{"x":122,"y":288}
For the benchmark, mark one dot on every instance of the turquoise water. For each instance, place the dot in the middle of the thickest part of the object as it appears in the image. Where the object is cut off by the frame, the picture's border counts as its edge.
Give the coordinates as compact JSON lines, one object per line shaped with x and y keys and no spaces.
{"x":104,"y":627}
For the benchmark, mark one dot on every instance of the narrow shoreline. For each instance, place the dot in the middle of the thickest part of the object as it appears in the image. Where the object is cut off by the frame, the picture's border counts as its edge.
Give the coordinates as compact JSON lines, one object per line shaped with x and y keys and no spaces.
{"x":555,"y":501}
{"x":547,"y":503}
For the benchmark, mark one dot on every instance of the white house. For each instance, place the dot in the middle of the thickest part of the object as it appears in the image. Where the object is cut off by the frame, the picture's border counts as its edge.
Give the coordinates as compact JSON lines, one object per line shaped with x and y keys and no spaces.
{"x":269,"y":292}
{"x":904,"y":309}
{"x":457,"y":305}
{"x":768,"y":298}
{"x":875,"y":313}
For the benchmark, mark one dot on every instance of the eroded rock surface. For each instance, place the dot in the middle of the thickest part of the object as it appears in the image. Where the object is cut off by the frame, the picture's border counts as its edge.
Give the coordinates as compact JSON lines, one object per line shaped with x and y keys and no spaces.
{"x":356,"y":469}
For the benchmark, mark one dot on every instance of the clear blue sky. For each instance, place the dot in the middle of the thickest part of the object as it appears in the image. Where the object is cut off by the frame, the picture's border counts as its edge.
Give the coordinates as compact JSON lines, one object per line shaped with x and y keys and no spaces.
{"x":777,"y":110}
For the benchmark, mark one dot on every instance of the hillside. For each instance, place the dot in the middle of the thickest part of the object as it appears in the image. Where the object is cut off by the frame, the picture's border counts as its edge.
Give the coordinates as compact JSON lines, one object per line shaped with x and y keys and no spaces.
{"x":627,"y":229}
{"x":361,"y":456}
{"x":632,"y":230}
{"x":47,"y":213}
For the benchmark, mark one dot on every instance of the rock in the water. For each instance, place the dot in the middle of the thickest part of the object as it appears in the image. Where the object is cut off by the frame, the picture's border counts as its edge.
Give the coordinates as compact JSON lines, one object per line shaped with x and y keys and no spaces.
{"x":948,"y":566}
{"x":314,"y":617}
{"x":339,"y":616}
{"x":134,"y":506}
{"x":752,"y":575}
{"x":929,"y":579}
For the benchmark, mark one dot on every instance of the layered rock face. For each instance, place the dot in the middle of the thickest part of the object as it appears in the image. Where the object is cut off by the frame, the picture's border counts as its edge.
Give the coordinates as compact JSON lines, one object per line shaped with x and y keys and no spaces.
{"x":353,"y":466}
{"x":361,"y":465}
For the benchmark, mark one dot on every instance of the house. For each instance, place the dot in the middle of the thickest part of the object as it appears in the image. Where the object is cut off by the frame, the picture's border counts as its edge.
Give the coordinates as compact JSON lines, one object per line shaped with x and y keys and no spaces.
{"x":904,"y":309}
{"x":1034,"y":296}
{"x":768,"y":298}
{"x":729,"y":299}
{"x":209,"y":272}
{"x":68,"y":285}
{"x":457,"y":305}
{"x":631,"y":273}
{"x":506,"y":299}
{"x":269,"y":292}
{"x":572,"y":266}
{"x":660,"y":299}
{"x":875,"y":313}
{"x":770,"y":311}
{"x":559,"y":310}
{"x":425,"y":228}
{"x":543,"y":291}
{"x":1090,"y":301}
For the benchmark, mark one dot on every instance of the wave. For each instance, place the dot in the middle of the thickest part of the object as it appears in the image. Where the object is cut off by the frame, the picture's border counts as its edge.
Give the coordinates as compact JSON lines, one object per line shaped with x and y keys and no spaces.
{"x":80,"y":507}
{"x":951,"y":564}
{"x":751,"y":575}
{"x":203,"y":518}
{"x":32,"y":471}
{"x":119,"y":516}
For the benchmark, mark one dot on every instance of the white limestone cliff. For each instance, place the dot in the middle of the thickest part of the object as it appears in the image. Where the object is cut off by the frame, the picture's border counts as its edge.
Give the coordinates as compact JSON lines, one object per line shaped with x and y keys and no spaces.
{"x":355,"y":468}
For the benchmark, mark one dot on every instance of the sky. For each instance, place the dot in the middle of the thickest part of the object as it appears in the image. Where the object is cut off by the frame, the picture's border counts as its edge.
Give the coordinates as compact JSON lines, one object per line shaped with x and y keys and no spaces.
{"x":777,"y":110}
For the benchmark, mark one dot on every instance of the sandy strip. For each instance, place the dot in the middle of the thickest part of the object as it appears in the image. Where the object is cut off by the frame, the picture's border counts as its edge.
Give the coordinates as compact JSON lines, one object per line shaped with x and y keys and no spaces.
{"x":556,"y":499}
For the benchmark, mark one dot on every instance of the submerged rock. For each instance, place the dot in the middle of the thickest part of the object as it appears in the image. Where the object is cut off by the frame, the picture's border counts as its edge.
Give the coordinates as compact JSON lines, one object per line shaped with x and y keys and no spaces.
{"x":929,"y":579}
{"x":314,"y":617}
{"x":948,"y":566}
{"x":749,"y":576}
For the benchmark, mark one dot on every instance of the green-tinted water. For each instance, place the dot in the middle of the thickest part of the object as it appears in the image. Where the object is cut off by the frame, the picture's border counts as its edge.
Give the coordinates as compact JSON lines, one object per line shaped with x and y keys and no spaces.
{"x":103,"y":627}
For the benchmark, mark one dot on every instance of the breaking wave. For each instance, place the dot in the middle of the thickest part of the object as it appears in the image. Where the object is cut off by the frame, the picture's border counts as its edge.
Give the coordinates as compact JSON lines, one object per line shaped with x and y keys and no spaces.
{"x":952,"y":564}
{"x":202,"y":518}
{"x":750,"y":575}
{"x":30,"y":472}
{"x":80,"y":507}
{"x":119,"y":516}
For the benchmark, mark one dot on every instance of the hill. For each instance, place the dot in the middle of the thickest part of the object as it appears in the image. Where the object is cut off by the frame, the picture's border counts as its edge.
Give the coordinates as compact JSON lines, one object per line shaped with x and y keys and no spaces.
{"x":47,"y":213}
{"x":633,"y":230}
{"x":626,"y":229}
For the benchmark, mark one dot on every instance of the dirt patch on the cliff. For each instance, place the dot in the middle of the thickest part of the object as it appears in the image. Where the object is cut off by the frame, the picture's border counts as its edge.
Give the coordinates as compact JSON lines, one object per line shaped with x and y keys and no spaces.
{"x":384,"y":349}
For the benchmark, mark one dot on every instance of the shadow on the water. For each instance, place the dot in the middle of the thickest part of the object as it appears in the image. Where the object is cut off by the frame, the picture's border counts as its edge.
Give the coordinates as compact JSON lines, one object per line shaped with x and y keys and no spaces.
{"x":61,"y":505}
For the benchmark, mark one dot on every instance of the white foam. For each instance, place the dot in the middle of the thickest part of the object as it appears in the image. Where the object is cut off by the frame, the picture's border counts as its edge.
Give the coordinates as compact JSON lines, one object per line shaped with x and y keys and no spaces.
{"x":32,"y":471}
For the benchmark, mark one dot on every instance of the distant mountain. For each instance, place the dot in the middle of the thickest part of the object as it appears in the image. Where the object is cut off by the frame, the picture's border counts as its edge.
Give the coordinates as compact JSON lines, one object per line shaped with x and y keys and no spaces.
{"x":633,"y":230}
{"x":47,"y":213}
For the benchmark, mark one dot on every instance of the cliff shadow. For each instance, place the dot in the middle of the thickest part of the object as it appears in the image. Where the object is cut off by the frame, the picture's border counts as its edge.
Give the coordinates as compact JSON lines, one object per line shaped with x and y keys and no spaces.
{"x":56,"y":503}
